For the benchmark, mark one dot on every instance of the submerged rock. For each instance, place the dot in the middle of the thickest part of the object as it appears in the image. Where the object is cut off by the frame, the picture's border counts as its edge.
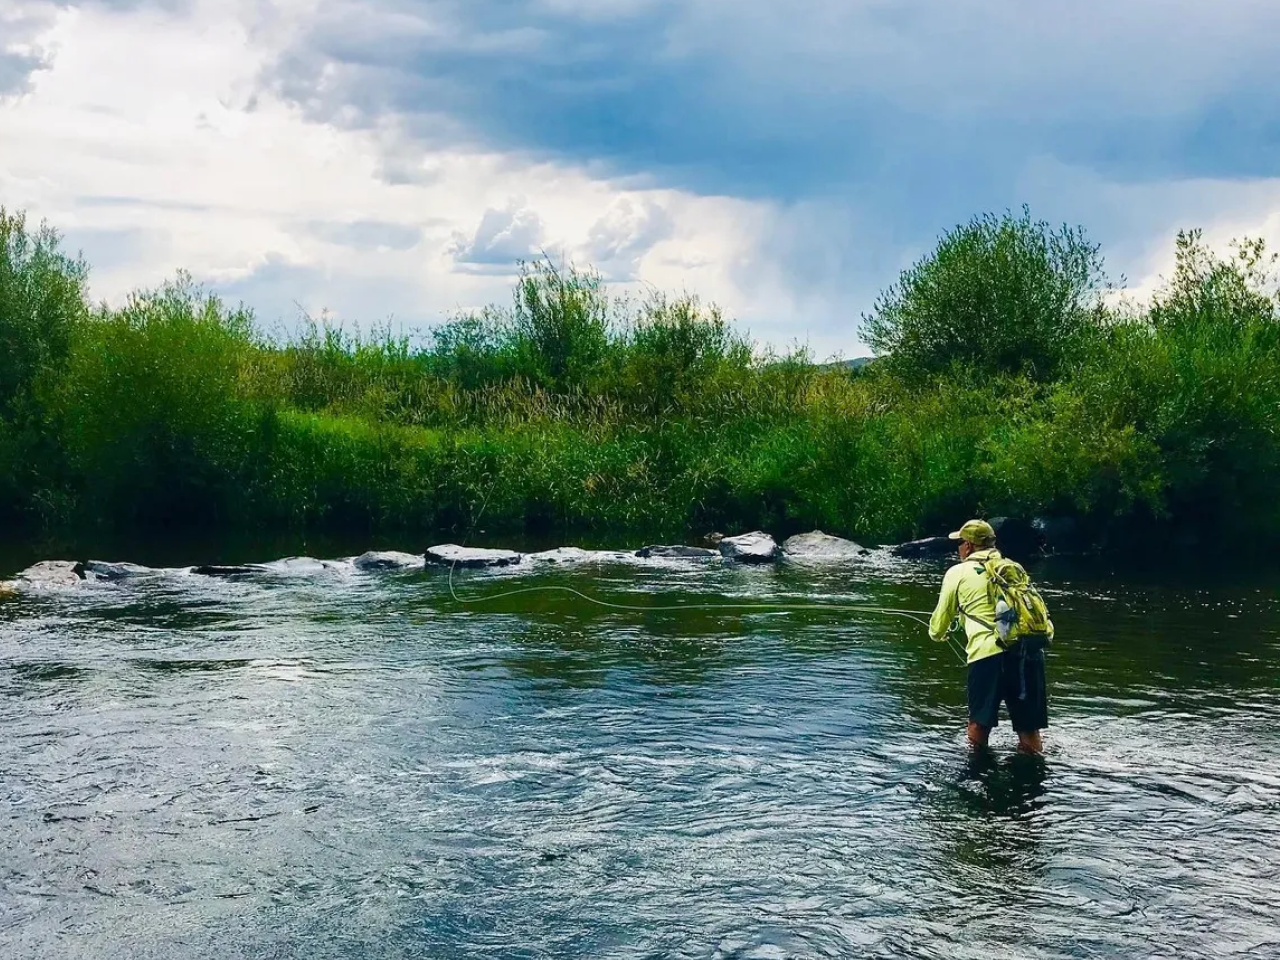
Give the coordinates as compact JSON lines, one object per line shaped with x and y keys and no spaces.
{"x":387,"y":560}
{"x":221,"y":570}
{"x":577,"y":555}
{"x":660,"y":552}
{"x":105,"y":570}
{"x":929,"y":548}
{"x":450,"y":554}
{"x":822,"y":546}
{"x":54,"y":572}
{"x":754,"y":547}
{"x":297,"y":565}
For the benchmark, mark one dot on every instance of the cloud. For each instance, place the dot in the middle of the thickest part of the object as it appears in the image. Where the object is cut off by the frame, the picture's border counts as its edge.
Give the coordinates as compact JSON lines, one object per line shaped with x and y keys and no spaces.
{"x":862,"y":130}
{"x":21,"y":53}
{"x":757,"y":99}
{"x":619,"y":240}
{"x":369,"y":234}
{"x":15,"y":70}
{"x":784,"y":160}
{"x":281,"y":293}
{"x":502,"y":238}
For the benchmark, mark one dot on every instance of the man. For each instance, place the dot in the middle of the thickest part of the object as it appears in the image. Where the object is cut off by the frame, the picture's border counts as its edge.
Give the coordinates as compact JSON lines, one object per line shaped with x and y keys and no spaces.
{"x":1015,"y":676}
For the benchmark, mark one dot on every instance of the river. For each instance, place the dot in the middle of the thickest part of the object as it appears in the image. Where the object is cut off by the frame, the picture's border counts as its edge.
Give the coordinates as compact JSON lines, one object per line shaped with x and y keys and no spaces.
{"x":340,"y":764}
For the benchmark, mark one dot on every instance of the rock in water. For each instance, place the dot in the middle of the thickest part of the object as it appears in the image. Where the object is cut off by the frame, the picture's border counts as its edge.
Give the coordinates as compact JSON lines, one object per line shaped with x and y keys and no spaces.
{"x":53,"y":572}
{"x":577,"y":555}
{"x":298,"y":566}
{"x":927,"y":549}
{"x":103,"y":570}
{"x":219,"y":570}
{"x":822,"y":546}
{"x":450,"y":554}
{"x":660,"y":552}
{"x":387,"y":560}
{"x":755,"y":547}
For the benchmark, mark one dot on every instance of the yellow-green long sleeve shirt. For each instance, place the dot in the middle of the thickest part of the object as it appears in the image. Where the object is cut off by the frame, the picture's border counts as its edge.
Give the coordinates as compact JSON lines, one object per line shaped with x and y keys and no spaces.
{"x":965,"y":585}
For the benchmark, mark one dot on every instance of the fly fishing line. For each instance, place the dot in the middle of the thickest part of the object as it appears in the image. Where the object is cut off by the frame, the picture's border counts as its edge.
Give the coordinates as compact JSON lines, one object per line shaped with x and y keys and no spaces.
{"x":918,"y":616}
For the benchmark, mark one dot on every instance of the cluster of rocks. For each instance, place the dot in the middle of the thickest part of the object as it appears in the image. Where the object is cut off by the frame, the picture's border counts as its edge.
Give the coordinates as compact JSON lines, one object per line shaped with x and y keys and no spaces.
{"x":1017,"y":538}
{"x":755,"y":547}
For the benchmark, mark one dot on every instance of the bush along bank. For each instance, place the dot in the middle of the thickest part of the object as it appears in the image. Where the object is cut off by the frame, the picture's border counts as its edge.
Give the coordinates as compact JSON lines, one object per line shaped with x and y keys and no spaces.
{"x":1011,"y":380}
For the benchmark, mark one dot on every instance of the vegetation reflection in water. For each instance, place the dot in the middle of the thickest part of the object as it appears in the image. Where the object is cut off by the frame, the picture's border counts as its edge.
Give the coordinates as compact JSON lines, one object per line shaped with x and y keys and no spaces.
{"x":354,"y":765}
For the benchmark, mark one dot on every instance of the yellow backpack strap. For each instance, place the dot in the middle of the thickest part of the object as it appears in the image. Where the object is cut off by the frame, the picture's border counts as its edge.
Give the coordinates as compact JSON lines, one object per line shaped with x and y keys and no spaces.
{"x":965,"y":613}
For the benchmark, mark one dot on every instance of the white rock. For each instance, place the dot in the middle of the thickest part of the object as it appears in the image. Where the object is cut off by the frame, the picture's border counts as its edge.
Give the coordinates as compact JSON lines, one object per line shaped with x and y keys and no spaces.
{"x":104,"y":570}
{"x":821,"y":546}
{"x":450,"y":554}
{"x":294,"y":566}
{"x":755,"y":547}
{"x":578,"y":555}
{"x":53,"y":572}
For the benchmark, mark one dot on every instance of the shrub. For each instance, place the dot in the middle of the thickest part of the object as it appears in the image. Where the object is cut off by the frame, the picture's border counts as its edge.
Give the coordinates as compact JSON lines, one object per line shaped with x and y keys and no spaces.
{"x":679,"y":356}
{"x":42,"y":299}
{"x":149,"y":410}
{"x":474,"y":351}
{"x":561,"y":325}
{"x":998,"y":295}
{"x":1199,"y":376}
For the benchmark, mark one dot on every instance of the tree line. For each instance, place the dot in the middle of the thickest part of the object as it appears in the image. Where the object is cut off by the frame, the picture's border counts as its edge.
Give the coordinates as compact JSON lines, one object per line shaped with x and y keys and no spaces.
{"x":1011,"y":377}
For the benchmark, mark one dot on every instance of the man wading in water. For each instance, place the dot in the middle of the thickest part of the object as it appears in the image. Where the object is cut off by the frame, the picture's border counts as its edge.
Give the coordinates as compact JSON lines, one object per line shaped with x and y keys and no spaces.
{"x":1005,"y":649}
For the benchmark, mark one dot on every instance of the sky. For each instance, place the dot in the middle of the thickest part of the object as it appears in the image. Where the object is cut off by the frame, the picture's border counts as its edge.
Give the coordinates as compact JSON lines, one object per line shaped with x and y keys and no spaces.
{"x":375,"y":160}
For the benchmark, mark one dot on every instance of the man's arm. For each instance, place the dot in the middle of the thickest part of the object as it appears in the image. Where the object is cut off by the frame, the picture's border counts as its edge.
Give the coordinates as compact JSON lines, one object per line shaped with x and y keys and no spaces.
{"x":947,"y":608}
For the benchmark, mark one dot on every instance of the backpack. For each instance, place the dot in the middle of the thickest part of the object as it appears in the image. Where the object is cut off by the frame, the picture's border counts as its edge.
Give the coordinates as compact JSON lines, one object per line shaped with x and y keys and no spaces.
{"x":1021,"y":613}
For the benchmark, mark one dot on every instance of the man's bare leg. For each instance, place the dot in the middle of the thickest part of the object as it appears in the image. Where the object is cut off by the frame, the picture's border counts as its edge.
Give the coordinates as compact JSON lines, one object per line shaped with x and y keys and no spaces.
{"x":978,"y":734}
{"x":1030,"y":742}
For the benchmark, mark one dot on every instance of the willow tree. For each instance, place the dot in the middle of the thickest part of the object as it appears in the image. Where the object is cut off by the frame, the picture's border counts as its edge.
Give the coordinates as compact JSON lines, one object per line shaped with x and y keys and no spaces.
{"x":999,"y":295}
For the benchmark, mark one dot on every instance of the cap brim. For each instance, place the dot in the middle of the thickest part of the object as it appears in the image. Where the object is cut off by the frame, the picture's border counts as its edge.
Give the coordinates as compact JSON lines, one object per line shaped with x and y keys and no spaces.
{"x":954,"y":536}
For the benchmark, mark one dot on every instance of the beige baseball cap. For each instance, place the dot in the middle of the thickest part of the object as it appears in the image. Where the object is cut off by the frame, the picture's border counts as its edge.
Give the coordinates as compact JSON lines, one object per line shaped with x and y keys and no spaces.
{"x":978,"y":532}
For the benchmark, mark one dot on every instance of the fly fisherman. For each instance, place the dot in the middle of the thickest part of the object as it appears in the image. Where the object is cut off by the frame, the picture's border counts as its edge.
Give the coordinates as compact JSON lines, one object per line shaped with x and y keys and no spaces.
{"x":1007,"y":629}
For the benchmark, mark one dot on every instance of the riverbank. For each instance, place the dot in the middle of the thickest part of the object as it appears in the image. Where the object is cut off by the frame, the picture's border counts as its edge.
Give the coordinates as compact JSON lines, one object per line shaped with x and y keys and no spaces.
{"x":1007,"y":385}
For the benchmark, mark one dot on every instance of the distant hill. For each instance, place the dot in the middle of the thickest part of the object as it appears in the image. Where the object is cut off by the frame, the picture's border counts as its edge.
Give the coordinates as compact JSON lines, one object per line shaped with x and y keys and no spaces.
{"x":857,"y":363}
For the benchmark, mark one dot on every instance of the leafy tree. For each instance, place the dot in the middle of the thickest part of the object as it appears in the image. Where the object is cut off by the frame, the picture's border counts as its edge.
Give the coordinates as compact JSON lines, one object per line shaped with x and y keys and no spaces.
{"x":998,"y":295}
{"x":42,"y":298}
{"x":1208,"y":295}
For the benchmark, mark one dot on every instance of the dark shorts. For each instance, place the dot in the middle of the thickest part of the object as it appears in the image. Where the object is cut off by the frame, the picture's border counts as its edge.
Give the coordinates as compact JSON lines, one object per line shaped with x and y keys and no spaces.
{"x":1001,"y":677}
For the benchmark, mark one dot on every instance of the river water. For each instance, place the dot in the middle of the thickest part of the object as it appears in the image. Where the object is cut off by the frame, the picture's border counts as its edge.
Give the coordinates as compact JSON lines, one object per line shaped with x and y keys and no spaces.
{"x":339,"y":764}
